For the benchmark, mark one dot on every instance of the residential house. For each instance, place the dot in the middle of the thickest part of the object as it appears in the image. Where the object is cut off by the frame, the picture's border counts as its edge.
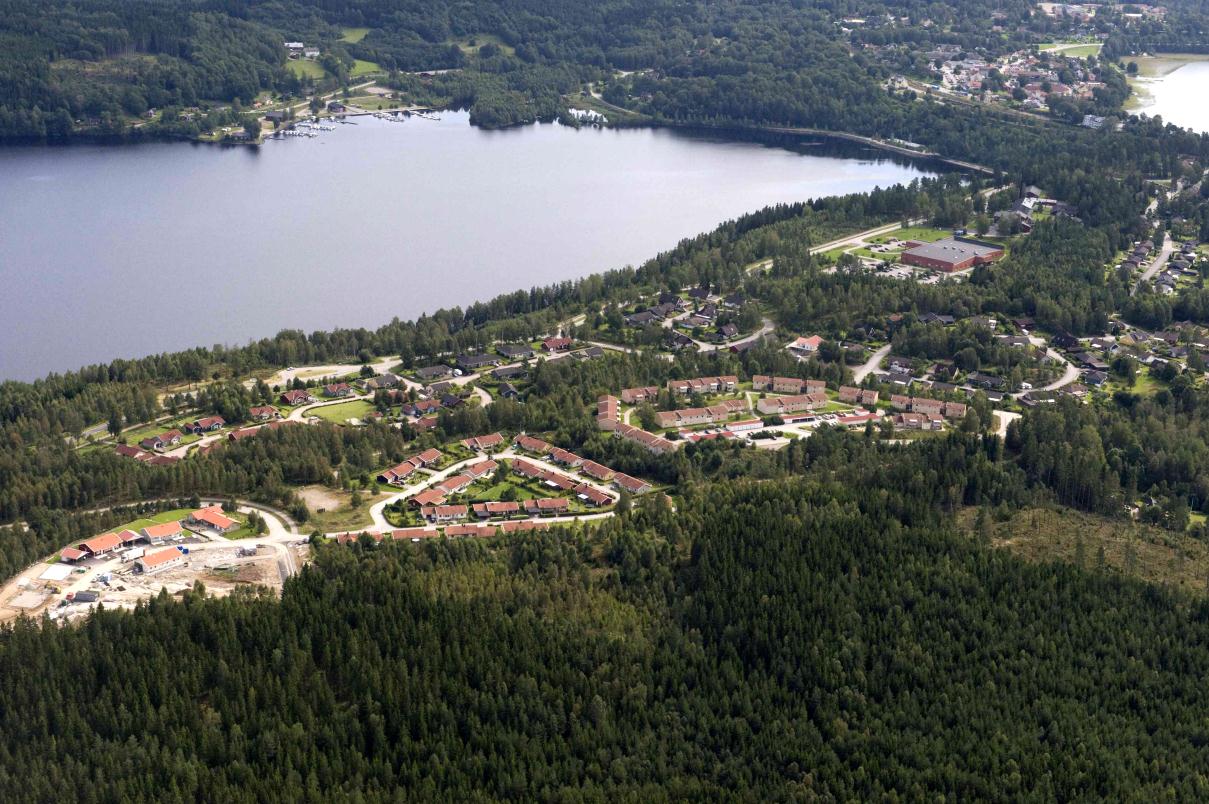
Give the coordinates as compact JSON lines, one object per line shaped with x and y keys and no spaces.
{"x":632,"y":396}
{"x":557,"y":344}
{"x":431,"y":373}
{"x":510,"y":373}
{"x":474,"y":362}
{"x":608,"y":412}
{"x":158,"y":561}
{"x":156,"y":534}
{"x":484,"y":443}
{"x":297,"y":396}
{"x":857,"y":396}
{"x":592,"y":495}
{"x":597,"y":471}
{"x":508,"y":391}
{"x":102,"y":545}
{"x":530,"y":444}
{"x":206,"y":425}
{"x":485,"y":510}
{"x":397,"y":475}
{"x":211,"y":518}
{"x":262,"y":413}
{"x":387,"y":380}
{"x":781,"y":405}
{"x":445,"y":513}
{"x":481,"y":469}
{"x":162,"y":441}
{"x":805,"y":346}
{"x":547,"y":506}
{"x":337,"y":390}
{"x":515,"y":351}
{"x":631,"y":484}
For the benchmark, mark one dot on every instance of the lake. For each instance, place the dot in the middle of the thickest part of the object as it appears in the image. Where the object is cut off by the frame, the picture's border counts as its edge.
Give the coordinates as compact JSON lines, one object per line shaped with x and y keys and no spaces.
{"x":111,"y":251}
{"x":1175,"y":90}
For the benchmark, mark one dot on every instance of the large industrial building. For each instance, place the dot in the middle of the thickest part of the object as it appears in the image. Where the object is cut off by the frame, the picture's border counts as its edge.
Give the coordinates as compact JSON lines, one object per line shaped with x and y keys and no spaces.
{"x":952,"y":254}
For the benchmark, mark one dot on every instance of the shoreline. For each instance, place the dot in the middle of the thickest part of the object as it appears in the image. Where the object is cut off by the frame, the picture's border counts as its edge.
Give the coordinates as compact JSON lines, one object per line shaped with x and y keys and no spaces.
{"x":1151,"y":69}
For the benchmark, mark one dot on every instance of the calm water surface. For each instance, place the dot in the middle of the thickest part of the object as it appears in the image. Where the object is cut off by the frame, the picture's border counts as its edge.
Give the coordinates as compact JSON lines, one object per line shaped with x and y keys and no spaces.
{"x":1179,"y":97}
{"x":124,"y":251}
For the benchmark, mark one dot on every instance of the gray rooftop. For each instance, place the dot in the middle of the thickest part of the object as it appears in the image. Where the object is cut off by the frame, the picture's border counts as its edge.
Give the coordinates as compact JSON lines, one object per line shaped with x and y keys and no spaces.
{"x":952,"y":250}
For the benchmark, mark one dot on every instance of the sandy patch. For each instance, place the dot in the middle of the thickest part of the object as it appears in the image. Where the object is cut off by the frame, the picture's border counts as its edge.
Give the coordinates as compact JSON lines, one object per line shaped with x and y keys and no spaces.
{"x":317,"y":497}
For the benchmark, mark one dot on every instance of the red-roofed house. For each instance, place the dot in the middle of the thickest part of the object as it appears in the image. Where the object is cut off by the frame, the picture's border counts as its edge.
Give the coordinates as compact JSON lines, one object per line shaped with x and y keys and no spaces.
{"x":206,"y":425}
{"x":592,"y":495}
{"x":403,"y":534}
{"x":263,"y":413}
{"x":806,"y":346}
{"x":597,"y":470}
{"x":297,"y":396}
{"x":631,"y":484}
{"x":452,"y":485}
{"x":547,"y":506}
{"x":426,"y":498}
{"x":526,"y":469}
{"x":397,"y":476}
{"x":531,"y":444}
{"x":481,"y":469}
{"x":155,"y":534}
{"x":100,"y":545}
{"x":480,"y":531}
{"x":484,"y":443}
{"x":565,"y":457}
{"x":212,"y":518}
{"x":338,"y":390}
{"x":71,"y":554}
{"x":501,"y":508}
{"x":162,"y":441}
{"x":557,"y":344}
{"x":159,"y":560}
{"x":444,"y":513}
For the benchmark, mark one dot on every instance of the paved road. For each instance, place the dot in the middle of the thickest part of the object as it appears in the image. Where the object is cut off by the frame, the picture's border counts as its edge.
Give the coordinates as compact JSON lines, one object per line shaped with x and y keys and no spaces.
{"x":1157,"y":264}
{"x":377,"y":511}
{"x":1005,"y":418}
{"x":871,"y":365}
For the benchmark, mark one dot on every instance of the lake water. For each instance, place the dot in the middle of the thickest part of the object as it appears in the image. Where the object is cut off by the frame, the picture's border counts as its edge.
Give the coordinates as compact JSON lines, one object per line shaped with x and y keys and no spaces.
{"x":124,"y":251}
{"x":1178,"y":97}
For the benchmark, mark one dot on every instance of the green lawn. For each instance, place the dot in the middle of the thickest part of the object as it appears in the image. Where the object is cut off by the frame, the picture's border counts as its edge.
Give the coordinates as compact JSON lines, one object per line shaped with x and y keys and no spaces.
{"x":924,"y":234}
{"x":339,"y":414}
{"x":373,"y":102}
{"x":156,"y":519}
{"x":361,"y":68}
{"x":306,"y":69}
{"x":133,"y":437}
{"x":353,"y":34}
{"x":1073,"y":49}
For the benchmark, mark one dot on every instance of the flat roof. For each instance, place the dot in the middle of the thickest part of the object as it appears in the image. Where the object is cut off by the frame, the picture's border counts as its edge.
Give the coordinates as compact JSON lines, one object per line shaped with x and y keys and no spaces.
{"x":951,"y":250}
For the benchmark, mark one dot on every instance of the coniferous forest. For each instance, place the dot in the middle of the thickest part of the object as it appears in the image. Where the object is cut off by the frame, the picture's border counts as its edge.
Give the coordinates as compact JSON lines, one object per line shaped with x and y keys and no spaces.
{"x":817,"y":622}
{"x":820,"y":639}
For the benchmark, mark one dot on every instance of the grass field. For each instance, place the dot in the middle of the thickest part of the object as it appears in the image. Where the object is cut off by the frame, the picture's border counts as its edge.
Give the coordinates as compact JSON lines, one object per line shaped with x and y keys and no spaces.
{"x":1075,"y":50}
{"x":1129,"y":548}
{"x":478,"y":40}
{"x":353,"y":34}
{"x":373,"y":102}
{"x":361,"y":68}
{"x":175,"y":515}
{"x":924,"y":234}
{"x":133,"y":437}
{"x":306,"y":69}
{"x":339,"y":414}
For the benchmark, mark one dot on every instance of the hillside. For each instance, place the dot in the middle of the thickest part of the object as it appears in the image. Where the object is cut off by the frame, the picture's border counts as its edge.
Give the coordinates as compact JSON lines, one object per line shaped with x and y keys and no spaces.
{"x":779,"y":640}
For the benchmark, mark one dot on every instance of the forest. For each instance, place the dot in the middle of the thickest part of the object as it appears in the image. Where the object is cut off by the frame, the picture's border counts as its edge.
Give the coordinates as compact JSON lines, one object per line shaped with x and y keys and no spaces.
{"x":831,"y":637}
